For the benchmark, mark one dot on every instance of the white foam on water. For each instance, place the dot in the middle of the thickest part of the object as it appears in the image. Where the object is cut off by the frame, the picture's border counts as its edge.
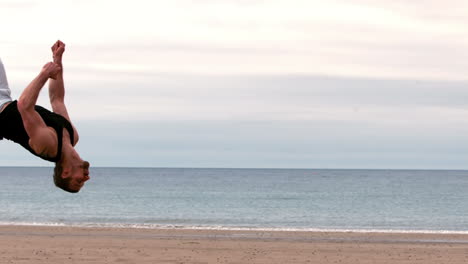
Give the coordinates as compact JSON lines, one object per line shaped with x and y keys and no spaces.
{"x":230,"y":228}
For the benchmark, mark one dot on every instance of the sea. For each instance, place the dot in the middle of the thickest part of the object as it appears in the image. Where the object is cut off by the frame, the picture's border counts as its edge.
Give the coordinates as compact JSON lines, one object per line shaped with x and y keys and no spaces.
{"x":433,"y":201}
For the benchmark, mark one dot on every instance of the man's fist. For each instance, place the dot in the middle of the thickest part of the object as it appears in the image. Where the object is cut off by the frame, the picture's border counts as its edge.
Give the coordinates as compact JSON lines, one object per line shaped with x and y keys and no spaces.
{"x":51,"y":70}
{"x":58,"y":49}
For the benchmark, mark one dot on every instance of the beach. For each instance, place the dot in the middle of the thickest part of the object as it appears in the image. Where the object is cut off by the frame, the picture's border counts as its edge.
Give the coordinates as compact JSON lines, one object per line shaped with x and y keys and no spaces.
{"x":237,"y":216}
{"x":45,"y":244}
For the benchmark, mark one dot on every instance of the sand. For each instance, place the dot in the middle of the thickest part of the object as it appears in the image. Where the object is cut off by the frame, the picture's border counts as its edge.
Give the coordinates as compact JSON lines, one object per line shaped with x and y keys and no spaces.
{"x":26,"y":244}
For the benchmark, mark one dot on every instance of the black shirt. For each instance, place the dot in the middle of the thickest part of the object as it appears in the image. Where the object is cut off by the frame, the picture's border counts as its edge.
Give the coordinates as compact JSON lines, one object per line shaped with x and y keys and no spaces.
{"x":12,"y":128}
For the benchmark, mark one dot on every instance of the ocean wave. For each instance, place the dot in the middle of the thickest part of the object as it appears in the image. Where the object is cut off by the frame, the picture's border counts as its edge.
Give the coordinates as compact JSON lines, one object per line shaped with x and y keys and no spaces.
{"x":232,"y":228}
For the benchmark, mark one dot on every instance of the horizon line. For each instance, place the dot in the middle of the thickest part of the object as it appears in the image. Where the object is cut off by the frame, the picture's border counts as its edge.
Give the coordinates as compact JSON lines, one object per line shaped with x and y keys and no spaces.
{"x":249,"y":168}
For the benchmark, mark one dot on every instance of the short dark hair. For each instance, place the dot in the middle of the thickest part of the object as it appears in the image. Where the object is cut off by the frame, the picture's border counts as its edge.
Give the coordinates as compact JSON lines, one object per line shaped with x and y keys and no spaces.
{"x":60,"y":182}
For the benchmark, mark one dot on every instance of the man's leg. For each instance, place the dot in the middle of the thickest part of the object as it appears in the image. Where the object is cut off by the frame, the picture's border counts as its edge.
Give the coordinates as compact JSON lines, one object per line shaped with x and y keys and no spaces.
{"x":5,"y":93}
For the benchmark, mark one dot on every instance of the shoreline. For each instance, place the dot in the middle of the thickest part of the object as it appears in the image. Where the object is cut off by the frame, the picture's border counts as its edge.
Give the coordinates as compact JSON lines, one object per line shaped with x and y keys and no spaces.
{"x":65,"y":244}
{"x":234,"y":228}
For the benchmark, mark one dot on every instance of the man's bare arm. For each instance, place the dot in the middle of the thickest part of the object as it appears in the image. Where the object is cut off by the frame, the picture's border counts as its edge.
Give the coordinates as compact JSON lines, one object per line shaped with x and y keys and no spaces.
{"x":57,"y":87}
{"x":41,"y":137}
{"x":28,"y":98}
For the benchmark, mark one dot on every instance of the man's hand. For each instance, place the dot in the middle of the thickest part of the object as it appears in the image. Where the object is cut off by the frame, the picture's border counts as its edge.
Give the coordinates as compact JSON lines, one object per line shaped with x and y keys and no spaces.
{"x":51,"y":70}
{"x":57,"y":51}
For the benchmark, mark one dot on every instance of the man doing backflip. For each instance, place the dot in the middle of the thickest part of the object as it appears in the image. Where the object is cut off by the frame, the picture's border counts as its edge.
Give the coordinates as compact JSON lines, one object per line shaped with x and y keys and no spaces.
{"x":48,"y":135}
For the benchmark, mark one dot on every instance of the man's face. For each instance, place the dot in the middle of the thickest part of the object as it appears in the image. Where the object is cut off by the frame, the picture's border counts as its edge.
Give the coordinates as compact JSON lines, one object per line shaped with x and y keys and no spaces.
{"x":80,"y":176}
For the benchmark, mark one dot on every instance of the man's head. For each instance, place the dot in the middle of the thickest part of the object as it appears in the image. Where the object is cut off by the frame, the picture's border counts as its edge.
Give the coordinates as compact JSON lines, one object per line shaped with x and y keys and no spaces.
{"x":71,"y":178}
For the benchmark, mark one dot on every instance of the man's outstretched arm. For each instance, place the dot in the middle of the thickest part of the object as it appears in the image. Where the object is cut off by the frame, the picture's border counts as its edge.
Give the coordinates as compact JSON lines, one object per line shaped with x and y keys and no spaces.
{"x":28,"y":98}
{"x":57,"y":87}
{"x":41,"y":138}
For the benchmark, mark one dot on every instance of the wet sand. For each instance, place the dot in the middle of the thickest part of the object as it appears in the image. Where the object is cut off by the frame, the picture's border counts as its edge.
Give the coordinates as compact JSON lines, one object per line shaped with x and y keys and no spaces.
{"x":26,"y":244}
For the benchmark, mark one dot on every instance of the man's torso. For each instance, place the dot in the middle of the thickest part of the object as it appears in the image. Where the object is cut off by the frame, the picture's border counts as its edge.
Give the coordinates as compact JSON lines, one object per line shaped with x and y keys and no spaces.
{"x":12,"y":128}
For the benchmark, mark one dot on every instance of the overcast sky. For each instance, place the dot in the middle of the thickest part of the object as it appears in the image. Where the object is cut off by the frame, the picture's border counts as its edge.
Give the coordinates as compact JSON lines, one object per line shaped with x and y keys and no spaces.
{"x":251,"y":83}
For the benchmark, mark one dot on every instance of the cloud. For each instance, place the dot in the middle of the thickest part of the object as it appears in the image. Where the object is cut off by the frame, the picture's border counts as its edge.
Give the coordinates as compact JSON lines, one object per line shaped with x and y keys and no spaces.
{"x":164,"y":96}
{"x":378,"y":39}
{"x":265,"y":121}
{"x":17,"y":4}
{"x":246,"y":97}
{"x":367,"y":76}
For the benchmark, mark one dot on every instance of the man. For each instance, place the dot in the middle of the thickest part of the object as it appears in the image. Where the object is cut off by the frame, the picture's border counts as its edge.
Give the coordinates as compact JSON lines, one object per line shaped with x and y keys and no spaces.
{"x":48,"y":135}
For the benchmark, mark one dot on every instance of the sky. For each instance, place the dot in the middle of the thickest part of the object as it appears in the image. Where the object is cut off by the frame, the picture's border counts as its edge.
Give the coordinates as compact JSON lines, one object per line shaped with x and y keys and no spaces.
{"x":251,"y":84}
